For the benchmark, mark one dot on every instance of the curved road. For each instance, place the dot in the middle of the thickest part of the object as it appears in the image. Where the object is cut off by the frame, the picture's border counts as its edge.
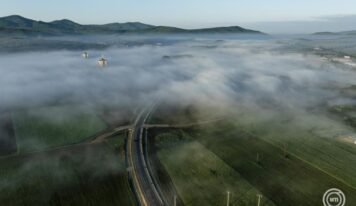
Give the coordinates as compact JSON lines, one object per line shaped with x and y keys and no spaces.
{"x":145,"y":188}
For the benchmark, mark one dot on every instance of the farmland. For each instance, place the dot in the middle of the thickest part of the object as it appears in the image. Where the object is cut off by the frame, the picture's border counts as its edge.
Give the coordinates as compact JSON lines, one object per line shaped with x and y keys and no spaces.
{"x":330,"y":155}
{"x":48,"y":127}
{"x":294,"y":176}
{"x":82,"y":175}
{"x":166,"y":113}
{"x":208,"y":175}
{"x":346,"y":112}
{"x":7,"y":136}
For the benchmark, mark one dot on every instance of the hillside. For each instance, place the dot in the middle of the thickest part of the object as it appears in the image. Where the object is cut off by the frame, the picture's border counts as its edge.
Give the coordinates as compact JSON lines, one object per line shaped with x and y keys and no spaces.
{"x":336,"y":33}
{"x":19,"y":26}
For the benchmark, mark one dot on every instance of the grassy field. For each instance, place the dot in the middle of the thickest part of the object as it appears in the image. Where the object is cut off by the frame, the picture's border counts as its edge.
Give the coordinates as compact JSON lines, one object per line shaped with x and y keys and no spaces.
{"x":168,"y":113}
{"x":117,"y":143}
{"x":294,"y":177}
{"x":82,"y":175}
{"x":43,"y":128}
{"x":328,"y":154}
{"x":346,"y":112}
{"x":7,"y":136}
{"x":165,"y":112}
{"x":297,"y":174}
{"x":201,"y":177}
{"x":115,"y":115}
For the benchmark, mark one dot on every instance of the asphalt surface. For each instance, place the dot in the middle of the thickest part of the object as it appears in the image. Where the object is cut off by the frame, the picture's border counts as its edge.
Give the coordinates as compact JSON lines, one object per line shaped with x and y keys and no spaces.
{"x":145,"y":188}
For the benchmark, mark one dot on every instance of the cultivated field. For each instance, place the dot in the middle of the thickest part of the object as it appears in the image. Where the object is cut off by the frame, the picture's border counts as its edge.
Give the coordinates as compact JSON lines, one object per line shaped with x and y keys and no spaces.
{"x":297,"y":174}
{"x":48,"y":127}
{"x":7,"y":136}
{"x":81,"y":175}
{"x":202,"y":178}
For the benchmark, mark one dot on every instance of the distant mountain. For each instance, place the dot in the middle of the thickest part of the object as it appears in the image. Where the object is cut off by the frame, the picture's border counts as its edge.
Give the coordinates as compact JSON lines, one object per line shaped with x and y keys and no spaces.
{"x":216,"y":30}
{"x":65,"y":23}
{"x":17,"y":22}
{"x":129,"y":26}
{"x":336,"y":33}
{"x":18,"y":25}
{"x":231,"y":29}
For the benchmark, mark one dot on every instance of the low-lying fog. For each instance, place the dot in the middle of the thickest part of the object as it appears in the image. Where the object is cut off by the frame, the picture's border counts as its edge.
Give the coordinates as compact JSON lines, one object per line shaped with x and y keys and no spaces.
{"x":256,"y":77}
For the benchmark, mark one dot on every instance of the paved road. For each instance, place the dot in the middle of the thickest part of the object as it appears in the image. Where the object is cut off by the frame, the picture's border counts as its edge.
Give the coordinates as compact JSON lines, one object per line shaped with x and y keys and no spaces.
{"x":145,"y":188}
{"x":104,"y":136}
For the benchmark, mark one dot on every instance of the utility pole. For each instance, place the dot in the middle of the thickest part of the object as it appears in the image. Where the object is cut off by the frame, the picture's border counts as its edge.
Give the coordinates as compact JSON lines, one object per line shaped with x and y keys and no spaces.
{"x":259,"y":196}
{"x":175,"y":200}
{"x":228,"y":198}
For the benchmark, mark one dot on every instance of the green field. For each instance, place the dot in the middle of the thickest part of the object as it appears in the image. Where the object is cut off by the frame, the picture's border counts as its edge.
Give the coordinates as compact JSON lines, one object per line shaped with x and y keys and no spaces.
{"x":298,"y":174}
{"x":7,"y":136}
{"x":82,"y":175}
{"x":202,"y":178}
{"x":167,"y":114}
{"x":48,"y":127}
{"x":346,"y":112}
{"x":328,"y":154}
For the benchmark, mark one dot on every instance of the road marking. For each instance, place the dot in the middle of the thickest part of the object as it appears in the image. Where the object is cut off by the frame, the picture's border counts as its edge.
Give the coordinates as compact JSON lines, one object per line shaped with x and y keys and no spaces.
{"x":141,"y":158}
{"x":142,"y":197}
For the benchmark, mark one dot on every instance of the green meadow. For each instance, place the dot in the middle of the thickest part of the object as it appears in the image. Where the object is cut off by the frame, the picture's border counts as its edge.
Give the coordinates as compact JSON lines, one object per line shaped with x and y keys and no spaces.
{"x":48,"y":127}
{"x":80,"y":175}
{"x":227,"y":153}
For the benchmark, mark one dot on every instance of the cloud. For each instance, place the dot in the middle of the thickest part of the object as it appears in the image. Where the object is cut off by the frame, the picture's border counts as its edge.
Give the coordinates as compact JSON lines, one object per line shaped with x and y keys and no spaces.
{"x":332,"y":23}
{"x":230,"y":74}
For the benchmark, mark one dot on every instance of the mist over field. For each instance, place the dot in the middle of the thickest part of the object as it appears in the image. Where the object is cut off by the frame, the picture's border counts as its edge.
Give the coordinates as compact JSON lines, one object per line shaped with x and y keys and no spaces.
{"x":55,"y":97}
{"x":233,"y":76}
{"x":156,"y":104}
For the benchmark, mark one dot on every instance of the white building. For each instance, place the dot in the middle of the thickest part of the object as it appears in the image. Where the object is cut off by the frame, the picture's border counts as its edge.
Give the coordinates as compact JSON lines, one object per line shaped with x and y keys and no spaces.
{"x":103,"y":62}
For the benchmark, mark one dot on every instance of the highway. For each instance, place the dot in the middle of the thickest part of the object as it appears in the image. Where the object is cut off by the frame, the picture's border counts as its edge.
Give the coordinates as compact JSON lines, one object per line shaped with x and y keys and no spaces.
{"x":142,"y":181}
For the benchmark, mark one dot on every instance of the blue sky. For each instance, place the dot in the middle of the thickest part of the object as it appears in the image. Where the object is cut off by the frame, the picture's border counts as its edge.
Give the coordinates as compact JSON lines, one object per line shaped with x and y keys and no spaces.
{"x":277,"y":16}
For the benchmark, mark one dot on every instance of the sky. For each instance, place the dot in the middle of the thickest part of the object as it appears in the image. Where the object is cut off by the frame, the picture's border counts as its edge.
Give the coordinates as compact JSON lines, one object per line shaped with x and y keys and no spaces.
{"x":276,"y":16}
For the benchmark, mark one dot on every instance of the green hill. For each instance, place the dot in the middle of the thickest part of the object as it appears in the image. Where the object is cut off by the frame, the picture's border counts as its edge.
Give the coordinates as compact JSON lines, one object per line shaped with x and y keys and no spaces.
{"x":20,"y":26}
